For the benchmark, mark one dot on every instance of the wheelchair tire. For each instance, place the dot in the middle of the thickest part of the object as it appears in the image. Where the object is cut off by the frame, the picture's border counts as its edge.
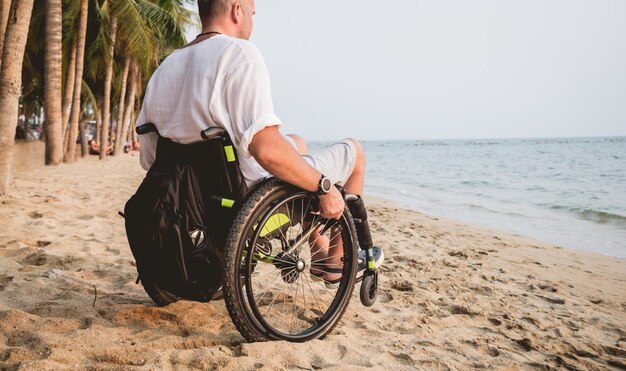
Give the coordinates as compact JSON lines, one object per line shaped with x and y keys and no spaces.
{"x":254,"y":281}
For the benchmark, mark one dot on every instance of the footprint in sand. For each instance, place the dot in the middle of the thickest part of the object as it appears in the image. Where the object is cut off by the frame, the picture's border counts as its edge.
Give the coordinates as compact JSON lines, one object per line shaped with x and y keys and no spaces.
{"x":461,"y":309}
{"x":35,"y":215}
{"x":24,"y":345}
{"x":548,"y":288}
{"x":458,"y":254}
{"x":4,"y":281}
{"x":525,"y":343}
{"x":113,"y":251}
{"x":493,"y":351}
{"x":37,"y":259}
{"x":86,"y":323}
{"x":532,"y":321}
{"x":404,"y":358}
{"x":402,"y":285}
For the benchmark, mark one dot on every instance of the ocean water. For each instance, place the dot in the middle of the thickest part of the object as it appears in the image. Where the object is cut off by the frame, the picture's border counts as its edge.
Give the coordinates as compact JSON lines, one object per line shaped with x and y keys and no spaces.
{"x":566,"y":191}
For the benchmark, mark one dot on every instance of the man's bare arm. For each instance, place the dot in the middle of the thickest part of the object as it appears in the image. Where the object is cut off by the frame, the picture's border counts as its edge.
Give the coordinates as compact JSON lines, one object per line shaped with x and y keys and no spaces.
{"x":276,"y":155}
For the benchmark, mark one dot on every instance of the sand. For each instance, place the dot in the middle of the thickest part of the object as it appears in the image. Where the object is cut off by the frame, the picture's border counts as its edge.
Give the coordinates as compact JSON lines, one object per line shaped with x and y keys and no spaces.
{"x":452,"y":296}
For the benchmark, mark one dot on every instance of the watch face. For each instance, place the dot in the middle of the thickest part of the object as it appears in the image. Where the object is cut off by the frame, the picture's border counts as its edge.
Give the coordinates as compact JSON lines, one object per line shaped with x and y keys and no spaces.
{"x":326,"y":185}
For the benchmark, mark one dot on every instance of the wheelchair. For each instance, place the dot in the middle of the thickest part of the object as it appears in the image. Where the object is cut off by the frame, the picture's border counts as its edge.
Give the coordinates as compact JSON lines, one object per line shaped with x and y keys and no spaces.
{"x":273,"y":239}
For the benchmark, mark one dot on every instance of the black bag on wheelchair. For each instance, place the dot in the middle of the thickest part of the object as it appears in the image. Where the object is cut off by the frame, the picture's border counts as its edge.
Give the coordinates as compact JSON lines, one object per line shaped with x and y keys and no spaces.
{"x":177,"y":221}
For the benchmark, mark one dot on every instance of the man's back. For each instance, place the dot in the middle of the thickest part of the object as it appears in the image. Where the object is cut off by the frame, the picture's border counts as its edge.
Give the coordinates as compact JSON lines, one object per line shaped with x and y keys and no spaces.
{"x":221,"y":81}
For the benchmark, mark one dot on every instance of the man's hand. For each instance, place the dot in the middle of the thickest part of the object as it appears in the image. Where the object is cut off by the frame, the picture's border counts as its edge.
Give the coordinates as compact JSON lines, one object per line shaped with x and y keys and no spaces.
{"x":332,"y":204}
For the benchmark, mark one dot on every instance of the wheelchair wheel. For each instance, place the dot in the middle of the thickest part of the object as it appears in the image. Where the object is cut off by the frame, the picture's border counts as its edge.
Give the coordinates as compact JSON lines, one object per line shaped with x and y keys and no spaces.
{"x":269,"y":290}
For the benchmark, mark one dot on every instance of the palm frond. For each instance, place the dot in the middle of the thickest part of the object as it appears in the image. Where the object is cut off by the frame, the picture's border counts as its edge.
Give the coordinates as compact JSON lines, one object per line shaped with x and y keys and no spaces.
{"x":133,"y":31}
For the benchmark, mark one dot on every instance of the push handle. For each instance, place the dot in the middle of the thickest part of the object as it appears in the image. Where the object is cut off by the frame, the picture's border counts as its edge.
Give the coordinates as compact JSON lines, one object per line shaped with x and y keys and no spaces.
{"x":147,"y":128}
{"x":212,"y":133}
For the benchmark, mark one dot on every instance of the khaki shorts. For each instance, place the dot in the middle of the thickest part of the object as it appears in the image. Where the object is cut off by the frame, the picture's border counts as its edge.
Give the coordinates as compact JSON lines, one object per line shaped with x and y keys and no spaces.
{"x":336,"y":161}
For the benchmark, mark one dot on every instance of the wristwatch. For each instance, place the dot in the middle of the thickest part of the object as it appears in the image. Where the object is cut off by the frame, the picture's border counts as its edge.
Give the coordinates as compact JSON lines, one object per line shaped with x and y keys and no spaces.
{"x":324,"y":186}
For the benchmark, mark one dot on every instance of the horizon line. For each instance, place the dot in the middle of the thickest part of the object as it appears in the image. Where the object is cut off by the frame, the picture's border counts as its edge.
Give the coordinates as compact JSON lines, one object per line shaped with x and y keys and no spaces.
{"x":478,"y":138}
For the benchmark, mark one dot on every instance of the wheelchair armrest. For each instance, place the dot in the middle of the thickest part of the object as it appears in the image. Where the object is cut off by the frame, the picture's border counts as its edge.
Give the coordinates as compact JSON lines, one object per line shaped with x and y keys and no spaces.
{"x":212,"y":133}
{"x":147,"y":128}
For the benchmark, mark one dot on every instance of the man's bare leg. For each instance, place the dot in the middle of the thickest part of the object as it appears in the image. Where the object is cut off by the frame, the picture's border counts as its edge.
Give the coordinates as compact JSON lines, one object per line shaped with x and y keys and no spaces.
{"x":354,"y":185}
{"x":325,"y":253}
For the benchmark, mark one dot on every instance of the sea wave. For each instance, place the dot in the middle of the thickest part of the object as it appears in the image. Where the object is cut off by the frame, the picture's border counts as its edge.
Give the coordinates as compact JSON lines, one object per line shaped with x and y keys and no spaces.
{"x":597,"y":216}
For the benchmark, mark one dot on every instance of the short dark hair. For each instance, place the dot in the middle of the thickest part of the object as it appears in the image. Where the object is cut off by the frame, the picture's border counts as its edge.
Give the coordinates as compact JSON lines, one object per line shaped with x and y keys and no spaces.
{"x":211,"y":9}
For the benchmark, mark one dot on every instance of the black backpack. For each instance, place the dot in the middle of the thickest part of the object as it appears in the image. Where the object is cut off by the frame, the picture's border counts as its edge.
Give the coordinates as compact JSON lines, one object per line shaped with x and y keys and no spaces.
{"x":178,"y":219}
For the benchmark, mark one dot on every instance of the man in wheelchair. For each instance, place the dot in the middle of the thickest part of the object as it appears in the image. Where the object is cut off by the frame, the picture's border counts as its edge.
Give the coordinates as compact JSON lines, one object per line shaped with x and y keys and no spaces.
{"x":219,"y":82}
{"x":220,"y":79}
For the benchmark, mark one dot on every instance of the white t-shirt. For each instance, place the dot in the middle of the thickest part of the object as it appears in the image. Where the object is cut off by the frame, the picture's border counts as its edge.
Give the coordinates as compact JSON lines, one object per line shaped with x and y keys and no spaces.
{"x":222,"y":81}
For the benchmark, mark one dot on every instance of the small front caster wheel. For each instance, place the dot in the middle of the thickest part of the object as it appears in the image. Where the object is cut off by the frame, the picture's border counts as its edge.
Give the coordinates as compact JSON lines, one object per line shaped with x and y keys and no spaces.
{"x":369,"y":289}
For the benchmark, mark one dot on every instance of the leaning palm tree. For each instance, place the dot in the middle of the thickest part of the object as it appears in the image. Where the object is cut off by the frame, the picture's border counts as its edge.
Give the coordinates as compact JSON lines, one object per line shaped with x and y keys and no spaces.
{"x":10,"y":82}
{"x":125,"y":122}
{"x":120,"y":107}
{"x":68,"y":92}
{"x":70,"y":152}
{"x":106,"y":101}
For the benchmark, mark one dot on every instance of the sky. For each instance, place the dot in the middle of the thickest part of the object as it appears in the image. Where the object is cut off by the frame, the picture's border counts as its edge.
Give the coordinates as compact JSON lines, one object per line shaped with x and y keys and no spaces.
{"x":413,"y":69}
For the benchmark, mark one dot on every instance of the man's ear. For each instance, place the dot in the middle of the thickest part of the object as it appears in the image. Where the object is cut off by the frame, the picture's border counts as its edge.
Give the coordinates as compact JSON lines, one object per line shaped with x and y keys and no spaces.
{"x":236,"y":12}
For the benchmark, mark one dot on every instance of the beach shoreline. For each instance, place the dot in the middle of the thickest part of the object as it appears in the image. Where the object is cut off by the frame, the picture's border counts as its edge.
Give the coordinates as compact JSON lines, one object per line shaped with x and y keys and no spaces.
{"x":452,"y":295}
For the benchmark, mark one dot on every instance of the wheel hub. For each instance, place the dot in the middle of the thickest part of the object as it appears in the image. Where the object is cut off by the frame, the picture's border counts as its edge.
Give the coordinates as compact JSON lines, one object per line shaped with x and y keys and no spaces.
{"x":300,"y":265}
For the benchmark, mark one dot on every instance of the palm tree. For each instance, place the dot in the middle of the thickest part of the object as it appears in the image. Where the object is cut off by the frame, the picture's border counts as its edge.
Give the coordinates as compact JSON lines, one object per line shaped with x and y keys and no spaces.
{"x":106,"y":109}
{"x":120,"y":107}
{"x":68,"y":93}
{"x":52,"y":75}
{"x":125,"y":123}
{"x":5,"y":5}
{"x":10,"y":83}
{"x":70,"y":152}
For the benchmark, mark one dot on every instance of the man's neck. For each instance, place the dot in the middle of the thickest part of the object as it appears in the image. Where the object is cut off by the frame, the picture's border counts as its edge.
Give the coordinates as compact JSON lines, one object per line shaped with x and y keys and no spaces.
{"x":211,"y":27}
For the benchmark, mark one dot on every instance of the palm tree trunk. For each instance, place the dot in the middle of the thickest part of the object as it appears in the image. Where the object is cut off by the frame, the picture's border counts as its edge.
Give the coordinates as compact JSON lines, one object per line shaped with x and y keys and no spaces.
{"x":78,"y":81}
{"x":5,"y":5}
{"x":52,"y":85}
{"x":129,"y":135}
{"x":98,"y":112}
{"x":129,"y":106}
{"x":107,"y":90}
{"x":120,"y":109}
{"x":82,"y":134}
{"x":137,"y":107}
{"x":11,"y":83}
{"x":69,"y":92}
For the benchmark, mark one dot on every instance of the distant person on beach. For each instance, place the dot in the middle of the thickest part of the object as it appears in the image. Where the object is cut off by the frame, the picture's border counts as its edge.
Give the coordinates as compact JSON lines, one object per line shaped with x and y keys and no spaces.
{"x":94,"y":149}
{"x":220,"y":79}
